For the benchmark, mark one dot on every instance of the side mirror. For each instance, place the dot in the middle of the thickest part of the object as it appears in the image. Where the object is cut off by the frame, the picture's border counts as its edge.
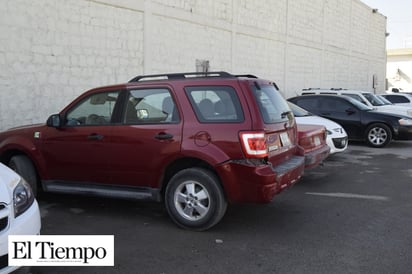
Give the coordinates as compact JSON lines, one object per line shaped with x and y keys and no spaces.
{"x":350,"y":111}
{"x":54,"y":121}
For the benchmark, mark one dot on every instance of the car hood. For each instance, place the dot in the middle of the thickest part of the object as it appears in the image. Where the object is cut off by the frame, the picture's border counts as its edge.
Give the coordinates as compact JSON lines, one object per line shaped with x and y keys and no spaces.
{"x":26,"y":127}
{"x":8,"y":181}
{"x":316,"y":120}
{"x":22,"y":130}
{"x":401,"y":110}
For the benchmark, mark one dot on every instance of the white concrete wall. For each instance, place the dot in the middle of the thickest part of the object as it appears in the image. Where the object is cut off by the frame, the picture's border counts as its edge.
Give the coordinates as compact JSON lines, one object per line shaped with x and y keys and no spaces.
{"x":53,"y":50}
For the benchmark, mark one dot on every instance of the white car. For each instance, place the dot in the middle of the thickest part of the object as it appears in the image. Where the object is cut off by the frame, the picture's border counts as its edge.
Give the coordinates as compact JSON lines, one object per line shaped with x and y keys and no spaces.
{"x":399,"y":99}
{"x":368,"y":98}
{"x":19,"y":212}
{"x":337,"y":139}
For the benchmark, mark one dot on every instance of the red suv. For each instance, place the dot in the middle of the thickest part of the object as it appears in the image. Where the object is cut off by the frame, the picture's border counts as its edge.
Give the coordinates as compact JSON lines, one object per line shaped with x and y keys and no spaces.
{"x":193,"y":140}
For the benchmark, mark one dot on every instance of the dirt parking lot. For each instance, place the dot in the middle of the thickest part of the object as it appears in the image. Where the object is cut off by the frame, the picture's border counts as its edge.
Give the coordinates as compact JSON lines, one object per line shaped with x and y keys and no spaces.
{"x":352,"y":215}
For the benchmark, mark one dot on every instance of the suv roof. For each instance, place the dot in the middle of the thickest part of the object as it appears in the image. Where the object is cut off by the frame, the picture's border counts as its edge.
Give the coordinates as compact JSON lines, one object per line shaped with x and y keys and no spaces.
{"x":209,"y":75}
{"x":331,"y":91}
{"x":188,"y":75}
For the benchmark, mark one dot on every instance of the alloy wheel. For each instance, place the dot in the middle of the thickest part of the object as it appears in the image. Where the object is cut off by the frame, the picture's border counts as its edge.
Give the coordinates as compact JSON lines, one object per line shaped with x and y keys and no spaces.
{"x":192,"y":200}
{"x":377,"y":136}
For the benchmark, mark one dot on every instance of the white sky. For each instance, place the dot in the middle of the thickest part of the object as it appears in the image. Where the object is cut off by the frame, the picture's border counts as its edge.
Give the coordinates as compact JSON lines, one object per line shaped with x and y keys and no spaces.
{"x":399,"y":21}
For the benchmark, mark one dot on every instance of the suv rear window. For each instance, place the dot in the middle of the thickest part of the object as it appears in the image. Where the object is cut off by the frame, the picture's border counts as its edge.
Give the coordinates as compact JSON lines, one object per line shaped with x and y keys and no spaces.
{"x":215,"y":104}
{"x":272,"y":105}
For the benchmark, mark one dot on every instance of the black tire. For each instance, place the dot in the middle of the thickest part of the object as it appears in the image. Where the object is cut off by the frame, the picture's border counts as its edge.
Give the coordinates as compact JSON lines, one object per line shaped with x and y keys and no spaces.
{"x":378,"y":135}
{"x":25,"y":168}
{"x":194,"y":199}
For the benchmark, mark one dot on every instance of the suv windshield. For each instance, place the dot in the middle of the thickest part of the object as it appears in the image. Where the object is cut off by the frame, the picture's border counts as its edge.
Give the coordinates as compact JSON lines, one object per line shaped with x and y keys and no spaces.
{"x":373,"y":99}
{"x":384,"y":100}
{"x":272,"y":106}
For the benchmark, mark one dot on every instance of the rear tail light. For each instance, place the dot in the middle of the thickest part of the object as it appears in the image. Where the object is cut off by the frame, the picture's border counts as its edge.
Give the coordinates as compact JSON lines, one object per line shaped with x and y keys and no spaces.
{"x":254,"y":144}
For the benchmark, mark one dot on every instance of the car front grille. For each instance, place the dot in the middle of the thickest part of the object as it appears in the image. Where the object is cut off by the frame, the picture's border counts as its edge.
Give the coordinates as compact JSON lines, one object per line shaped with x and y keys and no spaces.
{"x":340,"y":142}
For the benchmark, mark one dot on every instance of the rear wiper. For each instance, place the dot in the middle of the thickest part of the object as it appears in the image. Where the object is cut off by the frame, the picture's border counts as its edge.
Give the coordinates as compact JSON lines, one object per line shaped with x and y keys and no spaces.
{"x":285,"y":113}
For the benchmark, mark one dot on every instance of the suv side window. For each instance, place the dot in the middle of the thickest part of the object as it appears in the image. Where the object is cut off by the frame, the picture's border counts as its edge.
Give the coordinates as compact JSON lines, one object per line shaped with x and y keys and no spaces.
{"x":97,"y":109}
{"x":215,"y":104}
{"x":150,"y":106}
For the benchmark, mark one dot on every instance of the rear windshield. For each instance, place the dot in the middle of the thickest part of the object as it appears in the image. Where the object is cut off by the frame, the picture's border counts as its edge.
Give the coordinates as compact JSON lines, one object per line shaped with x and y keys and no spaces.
{"x":272,"y":105}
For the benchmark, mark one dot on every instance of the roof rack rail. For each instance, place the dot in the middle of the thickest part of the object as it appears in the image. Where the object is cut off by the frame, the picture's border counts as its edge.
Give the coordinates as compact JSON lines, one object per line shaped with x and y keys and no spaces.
{"x":310,"y":89}
{"x":246,"y":75}
{"x":185,"y":75}
{"x":338,"y":89}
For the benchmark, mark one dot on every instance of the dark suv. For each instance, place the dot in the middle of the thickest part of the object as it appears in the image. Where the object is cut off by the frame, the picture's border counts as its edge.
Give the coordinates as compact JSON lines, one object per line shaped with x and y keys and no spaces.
{"x":195,"y":141}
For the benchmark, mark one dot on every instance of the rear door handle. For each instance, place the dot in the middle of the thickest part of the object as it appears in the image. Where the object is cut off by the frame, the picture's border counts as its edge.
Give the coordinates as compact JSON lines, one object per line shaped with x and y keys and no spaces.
{"x":163,"y":136}
{"x":95,"y":136}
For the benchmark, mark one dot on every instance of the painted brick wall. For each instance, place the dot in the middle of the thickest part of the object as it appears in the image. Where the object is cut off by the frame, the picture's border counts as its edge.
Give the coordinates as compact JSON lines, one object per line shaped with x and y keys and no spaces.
{"x":53,"y":50}
{"x":176,"y":44}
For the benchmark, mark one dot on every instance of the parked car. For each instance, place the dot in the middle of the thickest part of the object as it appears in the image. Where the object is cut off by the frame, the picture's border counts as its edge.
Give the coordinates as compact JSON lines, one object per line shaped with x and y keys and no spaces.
{"x":19,"y":212}
{"x":365,"y":97}
{"x":193,"y":140}
{"x":336,"y":138}
{"x":313,"y":140}
{"x":359,"y":121}
{"x":399,"y":99}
